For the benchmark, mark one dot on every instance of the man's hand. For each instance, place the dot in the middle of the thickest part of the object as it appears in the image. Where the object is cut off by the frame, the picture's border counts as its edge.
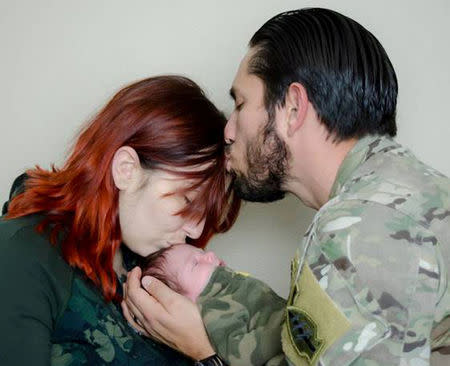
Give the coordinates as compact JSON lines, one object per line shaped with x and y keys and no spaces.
{"x":165,"y":315}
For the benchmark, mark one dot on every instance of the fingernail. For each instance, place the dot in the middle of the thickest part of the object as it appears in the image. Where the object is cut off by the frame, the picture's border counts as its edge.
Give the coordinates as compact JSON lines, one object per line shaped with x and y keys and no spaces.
{"x":146,"y":281}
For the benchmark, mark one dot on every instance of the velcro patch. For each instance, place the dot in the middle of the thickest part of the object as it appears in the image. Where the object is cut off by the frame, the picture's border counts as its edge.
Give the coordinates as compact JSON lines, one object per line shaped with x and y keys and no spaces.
{"x":313,"y":321}
{"x":303,"y":333}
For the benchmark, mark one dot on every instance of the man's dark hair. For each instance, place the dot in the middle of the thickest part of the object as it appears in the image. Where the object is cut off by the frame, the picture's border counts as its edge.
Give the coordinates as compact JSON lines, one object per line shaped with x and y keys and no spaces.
{"x":346,"y":72}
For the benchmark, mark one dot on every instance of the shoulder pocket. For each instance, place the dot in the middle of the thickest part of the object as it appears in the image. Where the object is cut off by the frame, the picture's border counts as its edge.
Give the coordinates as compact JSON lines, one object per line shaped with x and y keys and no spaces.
{"x":330,"y":317}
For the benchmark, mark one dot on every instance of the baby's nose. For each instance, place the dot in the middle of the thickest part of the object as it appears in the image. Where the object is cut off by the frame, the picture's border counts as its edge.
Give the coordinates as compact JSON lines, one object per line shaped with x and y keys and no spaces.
{"x":210,"y":257}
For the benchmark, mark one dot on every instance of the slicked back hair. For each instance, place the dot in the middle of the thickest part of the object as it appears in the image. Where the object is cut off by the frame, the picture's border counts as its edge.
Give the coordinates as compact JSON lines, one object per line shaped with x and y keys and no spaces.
{"x":346,"y":72}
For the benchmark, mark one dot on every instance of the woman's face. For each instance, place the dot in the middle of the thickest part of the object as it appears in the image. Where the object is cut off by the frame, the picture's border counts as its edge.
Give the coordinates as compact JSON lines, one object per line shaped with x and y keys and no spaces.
{"x":147,"y":213}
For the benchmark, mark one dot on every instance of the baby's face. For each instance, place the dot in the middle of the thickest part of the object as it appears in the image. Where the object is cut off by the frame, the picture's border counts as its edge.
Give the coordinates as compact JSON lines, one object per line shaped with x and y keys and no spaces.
{"x":191,"y":268}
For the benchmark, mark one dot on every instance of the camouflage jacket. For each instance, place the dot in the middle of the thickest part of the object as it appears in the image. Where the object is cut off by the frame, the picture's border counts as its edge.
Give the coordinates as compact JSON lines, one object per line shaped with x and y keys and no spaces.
{"x":369,"y":283}
{"x":50,"y":314}
{"x":242,"y":317}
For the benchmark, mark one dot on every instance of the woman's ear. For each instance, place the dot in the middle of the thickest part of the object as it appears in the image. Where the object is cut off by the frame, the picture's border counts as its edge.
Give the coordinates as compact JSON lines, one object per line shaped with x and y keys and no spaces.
{"x":297,"y":106}
{"x":125,"y":168}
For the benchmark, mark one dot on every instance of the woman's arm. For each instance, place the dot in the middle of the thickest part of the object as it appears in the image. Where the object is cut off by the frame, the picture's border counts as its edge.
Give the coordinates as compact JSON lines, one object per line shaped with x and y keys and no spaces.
{"x":31,"y":295}
{"x":165,"y":315}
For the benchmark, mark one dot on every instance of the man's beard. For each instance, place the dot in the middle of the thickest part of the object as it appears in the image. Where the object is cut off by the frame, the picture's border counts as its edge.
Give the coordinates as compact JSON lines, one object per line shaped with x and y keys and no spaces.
{"x":267,"y":163}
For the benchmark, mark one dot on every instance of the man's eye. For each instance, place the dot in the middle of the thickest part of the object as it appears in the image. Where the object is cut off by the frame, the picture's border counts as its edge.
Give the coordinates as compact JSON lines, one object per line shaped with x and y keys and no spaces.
{"x":187,"y":200}
{"x":239,"y":106}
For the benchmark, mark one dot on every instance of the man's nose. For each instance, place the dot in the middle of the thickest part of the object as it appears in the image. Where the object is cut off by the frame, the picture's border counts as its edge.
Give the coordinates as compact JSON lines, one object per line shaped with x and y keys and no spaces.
{"x":230,"y":129}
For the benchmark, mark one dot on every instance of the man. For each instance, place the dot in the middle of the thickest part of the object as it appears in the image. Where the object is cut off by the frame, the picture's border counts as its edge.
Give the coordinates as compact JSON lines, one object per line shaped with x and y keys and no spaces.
{"x":315,"y":103}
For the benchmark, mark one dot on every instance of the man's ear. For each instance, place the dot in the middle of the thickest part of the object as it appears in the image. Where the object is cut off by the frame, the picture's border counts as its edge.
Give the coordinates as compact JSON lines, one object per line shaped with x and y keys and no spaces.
{"x":125,"y":167}
{"x":296,"y":106}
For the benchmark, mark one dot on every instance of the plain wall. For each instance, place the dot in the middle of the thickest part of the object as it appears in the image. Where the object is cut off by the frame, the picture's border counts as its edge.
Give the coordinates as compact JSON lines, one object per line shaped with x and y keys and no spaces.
{"x":61,"y":61}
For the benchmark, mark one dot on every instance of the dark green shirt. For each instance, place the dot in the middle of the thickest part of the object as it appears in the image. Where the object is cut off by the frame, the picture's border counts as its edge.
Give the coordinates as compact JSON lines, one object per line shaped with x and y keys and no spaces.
{"x":51,"y":314}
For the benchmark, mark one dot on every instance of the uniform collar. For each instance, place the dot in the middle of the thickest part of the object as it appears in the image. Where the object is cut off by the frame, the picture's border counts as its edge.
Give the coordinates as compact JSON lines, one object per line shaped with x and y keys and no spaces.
{"x":354,"y":158}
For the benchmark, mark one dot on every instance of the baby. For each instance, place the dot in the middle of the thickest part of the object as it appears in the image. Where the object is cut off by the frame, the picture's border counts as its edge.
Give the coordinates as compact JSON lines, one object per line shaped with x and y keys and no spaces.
{"x":242,"y":315}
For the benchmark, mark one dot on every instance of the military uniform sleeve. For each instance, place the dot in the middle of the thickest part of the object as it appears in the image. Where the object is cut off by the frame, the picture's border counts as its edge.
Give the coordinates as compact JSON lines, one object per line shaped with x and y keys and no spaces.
{"x":440,"y":348}
{"x":440,"y":335}
{"x":244,"y":324}
{"x":32,"y":298}
{"x":376,"y":270}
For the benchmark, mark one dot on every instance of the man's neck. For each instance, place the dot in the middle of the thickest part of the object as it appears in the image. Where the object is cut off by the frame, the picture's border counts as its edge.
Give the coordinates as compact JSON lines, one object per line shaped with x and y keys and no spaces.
{"x":315,"y":166}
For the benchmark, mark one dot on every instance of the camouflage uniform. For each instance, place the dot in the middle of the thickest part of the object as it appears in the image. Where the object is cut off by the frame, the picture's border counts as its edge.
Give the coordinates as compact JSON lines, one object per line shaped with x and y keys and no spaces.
{"x":369,"y":283}
{"x":243,"y":317}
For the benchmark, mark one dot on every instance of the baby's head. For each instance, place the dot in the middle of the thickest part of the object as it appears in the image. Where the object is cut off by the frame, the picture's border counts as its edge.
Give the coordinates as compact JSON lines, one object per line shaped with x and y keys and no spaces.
{"x":184,"y":268}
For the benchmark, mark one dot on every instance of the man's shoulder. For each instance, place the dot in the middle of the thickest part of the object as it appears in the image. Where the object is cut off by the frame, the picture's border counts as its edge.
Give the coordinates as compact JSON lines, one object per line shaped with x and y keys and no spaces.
{"x":371,"y":224}
{"x":342,"y":213}
{"x":395,"y":170}
{"x":395,"y":178}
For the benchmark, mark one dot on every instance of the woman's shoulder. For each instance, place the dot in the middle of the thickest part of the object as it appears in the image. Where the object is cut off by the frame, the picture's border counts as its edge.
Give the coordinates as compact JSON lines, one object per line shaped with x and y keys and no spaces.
{"x":22,"y":248}
{"x":9,"y":228}
{"x":21,"y":234}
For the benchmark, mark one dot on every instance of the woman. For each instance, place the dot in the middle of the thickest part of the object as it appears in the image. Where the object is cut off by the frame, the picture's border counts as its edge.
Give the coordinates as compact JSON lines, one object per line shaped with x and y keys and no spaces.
{"x":147,"y":172}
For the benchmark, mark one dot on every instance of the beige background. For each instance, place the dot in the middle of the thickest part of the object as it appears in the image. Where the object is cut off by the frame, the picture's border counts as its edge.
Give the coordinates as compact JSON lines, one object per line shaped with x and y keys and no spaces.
{"x":61,"y":60}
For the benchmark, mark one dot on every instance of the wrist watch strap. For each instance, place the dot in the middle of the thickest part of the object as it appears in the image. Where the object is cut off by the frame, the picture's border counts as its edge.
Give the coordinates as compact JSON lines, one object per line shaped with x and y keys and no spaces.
{"x":213,"y":360}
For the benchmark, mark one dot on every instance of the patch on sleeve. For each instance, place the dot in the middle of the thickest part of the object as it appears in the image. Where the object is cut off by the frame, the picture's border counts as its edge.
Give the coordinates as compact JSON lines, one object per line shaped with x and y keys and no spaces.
{"x":302,"y":331}
{"x":313,"y":322}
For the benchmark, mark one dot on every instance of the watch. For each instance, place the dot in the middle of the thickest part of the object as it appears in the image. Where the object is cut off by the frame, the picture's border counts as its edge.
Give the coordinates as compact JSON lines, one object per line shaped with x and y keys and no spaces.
{"x":213,"y":360}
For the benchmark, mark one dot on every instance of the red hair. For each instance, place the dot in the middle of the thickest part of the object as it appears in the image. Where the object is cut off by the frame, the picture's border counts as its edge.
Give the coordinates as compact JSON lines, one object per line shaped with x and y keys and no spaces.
{"x":170,"y":123}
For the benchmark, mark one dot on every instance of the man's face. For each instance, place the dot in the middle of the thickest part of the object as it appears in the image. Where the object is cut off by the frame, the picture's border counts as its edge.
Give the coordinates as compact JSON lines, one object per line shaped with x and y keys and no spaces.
{"x":257,"y":156}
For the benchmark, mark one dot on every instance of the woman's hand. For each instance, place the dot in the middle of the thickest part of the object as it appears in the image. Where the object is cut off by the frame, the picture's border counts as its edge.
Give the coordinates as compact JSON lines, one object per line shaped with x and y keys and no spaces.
{"x":165,"y":315}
